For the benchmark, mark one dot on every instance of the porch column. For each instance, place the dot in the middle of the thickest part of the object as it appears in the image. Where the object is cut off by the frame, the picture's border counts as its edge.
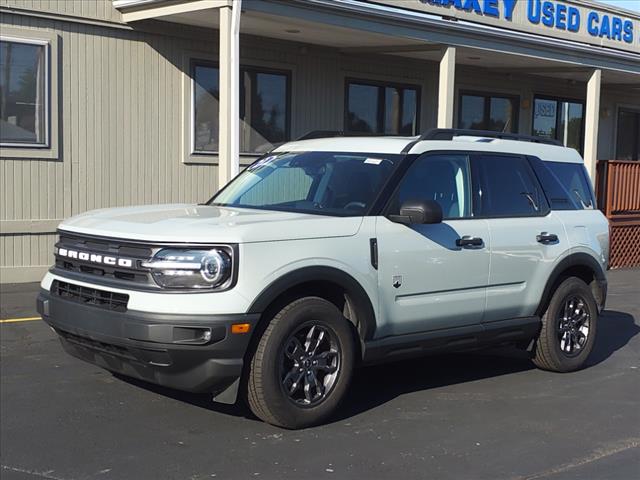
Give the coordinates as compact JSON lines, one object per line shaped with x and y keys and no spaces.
{"x":446,"y":87}
{"x":229,"y":102}
{"x":591,"y":120}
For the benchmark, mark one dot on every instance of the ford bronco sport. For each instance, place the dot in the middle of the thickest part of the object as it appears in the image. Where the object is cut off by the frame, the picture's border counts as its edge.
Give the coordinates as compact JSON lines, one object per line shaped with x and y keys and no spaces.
{"x":329,"y":253}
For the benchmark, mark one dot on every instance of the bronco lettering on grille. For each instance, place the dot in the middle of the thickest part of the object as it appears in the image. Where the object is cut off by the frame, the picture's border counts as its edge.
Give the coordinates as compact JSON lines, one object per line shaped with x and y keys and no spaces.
{"x":95,"y":258}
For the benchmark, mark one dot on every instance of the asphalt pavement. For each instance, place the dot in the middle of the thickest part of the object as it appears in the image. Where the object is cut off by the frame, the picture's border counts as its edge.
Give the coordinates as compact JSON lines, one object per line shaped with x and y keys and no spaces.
{"x":487,"y":415}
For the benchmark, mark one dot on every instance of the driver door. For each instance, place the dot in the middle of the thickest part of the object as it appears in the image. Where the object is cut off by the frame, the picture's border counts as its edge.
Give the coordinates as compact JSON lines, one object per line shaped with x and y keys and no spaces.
{"x":426,"y":281}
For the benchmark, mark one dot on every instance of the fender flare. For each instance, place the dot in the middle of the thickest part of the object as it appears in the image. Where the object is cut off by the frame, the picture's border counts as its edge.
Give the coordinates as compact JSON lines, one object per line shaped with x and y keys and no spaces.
{"x":355,"y":291}
{"x":578,"y":259}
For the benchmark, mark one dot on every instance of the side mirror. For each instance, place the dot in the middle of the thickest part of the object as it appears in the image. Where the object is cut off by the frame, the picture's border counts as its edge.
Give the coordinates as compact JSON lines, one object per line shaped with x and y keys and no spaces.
{"x":418,"y":212}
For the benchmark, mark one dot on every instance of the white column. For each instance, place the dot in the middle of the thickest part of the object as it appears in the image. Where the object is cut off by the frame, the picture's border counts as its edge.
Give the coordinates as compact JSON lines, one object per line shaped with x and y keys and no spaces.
{"x":446,"y":88}
{"x":229,"y":104}
{"x":591,"y":120}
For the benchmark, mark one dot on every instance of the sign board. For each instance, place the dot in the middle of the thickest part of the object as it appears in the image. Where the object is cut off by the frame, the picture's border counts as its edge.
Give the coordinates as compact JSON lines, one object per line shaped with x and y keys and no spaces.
{"x":567,"y":19}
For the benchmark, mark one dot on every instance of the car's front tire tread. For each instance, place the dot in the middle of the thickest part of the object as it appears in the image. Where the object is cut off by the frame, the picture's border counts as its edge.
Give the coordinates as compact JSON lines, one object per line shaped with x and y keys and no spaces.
{"x":257,"y":392}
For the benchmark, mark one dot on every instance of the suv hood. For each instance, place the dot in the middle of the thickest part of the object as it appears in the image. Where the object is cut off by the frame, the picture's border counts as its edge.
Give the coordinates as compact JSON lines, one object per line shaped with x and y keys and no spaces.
{"x":187,"y":223}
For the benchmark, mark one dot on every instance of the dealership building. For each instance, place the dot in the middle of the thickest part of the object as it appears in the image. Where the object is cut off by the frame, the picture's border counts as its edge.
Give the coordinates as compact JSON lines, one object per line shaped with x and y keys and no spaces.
{"x":112,"y":103}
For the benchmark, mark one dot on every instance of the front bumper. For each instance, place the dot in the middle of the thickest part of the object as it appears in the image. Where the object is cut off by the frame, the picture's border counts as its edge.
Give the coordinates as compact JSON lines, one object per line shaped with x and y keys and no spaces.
{"x":166,"y":349}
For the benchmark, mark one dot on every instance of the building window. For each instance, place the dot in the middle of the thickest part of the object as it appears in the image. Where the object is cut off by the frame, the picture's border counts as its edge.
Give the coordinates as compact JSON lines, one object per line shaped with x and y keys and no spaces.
{"x":265,"y":116}
{"x":628,"y":142}
{"x":480,"y":111}
{"x":381,"y":108}
{"x":24,"y":93}
{"x":559,"y":119}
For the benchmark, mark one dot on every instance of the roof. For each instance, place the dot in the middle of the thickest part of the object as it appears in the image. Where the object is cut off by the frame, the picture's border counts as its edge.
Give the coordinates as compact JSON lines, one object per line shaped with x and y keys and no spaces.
{"x":349,"y":144}
{"x":397,"y":145}
{"x":543,"y":151}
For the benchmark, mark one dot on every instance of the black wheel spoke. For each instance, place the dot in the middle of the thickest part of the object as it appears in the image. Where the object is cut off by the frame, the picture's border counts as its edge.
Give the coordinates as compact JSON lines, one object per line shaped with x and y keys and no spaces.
{"x":573,"y":325}
{"x":310,"y":364}
{"x":294,"y":349}
{"x":292,"y":381}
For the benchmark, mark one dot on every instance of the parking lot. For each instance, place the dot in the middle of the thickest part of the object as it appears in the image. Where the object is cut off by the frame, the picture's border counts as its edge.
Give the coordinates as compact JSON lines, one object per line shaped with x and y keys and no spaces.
{"x":487,"y":415}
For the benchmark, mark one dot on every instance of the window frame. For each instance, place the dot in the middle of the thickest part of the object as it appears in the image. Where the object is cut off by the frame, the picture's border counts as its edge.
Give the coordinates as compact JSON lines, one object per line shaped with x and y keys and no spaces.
{"x":195,"y":61}
{"x":487,"y":96}
{"x":389,"y":191}
{"x":403,"y":170}
{"x":557,"y":124}
{"x":381,"y":114}
{"x":47,"y":45}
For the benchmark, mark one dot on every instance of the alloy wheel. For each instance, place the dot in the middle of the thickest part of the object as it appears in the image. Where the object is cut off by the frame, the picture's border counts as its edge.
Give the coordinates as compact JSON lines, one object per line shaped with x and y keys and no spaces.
{"x":574,"y":325}
{"x":310,"y":364}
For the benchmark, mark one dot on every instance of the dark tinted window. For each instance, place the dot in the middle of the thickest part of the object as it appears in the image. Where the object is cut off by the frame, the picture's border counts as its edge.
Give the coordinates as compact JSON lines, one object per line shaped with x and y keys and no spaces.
{"x":381,"y":108}
{"x":506,"y":187}
{"x":628,"y":144}
{"x":264,"y":109}
{"x":23,"y":93}
{"x":557,"y":194}
{"x":488,"y":112}
{"x":443,"y":178}
{"x":573,"y":177}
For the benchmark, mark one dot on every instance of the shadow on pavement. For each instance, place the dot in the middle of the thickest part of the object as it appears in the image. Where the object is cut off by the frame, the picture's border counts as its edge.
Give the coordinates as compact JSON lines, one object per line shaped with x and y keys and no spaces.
{"x":373,"y":386}
{"x":615,"y":330}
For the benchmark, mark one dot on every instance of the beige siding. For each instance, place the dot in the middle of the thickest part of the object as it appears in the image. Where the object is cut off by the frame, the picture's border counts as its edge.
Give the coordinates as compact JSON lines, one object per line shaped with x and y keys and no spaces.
{"x":119,"y":137}
{"x":90,"y":9}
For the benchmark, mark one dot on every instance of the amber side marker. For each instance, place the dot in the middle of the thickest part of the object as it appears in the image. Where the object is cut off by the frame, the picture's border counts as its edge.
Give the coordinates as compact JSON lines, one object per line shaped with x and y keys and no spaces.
{"x":240,"y":327}
{"x":16,"y":320}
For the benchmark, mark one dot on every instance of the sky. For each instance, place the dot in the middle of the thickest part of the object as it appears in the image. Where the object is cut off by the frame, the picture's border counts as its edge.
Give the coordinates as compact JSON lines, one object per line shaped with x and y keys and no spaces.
{"x":628,"y":4}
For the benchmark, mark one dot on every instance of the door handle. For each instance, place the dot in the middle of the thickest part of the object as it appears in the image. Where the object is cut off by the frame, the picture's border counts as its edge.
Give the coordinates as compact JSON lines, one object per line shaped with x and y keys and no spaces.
{"x":545,"y":237}
{"x":469,"y":241}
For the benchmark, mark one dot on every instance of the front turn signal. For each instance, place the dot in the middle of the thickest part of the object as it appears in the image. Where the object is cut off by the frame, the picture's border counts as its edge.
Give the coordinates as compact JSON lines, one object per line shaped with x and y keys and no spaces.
{"x":240,"y":328}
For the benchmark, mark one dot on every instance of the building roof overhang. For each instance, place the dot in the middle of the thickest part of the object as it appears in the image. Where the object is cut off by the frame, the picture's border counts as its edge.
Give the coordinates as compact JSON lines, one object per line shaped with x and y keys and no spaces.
{"x":409,"y":29}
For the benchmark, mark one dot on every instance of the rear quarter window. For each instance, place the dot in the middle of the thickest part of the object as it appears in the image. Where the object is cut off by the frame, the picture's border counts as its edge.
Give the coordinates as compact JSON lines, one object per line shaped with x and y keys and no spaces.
{"x":566,"y":185}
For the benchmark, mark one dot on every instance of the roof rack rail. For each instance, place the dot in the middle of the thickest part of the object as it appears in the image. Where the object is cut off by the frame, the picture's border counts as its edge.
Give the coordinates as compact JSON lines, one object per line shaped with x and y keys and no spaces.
{"x":321,"y":134}
{"x":450,"y":133}
{"x":313,"y":134}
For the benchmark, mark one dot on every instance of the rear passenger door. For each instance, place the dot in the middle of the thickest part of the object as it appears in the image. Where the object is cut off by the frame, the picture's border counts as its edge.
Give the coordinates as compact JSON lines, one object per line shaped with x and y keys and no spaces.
{"x":526,"y":238}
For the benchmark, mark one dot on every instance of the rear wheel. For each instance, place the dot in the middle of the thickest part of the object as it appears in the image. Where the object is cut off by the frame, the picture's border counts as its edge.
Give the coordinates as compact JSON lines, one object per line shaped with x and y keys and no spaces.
{"x":302,"y":365}
{"x":568,"y":328}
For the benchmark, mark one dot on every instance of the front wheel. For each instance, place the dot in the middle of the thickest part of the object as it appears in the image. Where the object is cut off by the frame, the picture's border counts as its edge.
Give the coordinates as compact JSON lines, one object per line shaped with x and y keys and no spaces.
{"x":568,"y":328}
{"x":302,"y":365}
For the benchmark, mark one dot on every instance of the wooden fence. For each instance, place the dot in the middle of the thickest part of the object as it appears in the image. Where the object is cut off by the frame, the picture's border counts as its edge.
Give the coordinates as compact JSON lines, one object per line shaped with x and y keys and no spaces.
{"x":618,"y":192}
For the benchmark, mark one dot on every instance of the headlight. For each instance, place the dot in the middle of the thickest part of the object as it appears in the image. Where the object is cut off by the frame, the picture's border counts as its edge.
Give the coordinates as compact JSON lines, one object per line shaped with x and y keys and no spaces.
{"x":177,"y":268}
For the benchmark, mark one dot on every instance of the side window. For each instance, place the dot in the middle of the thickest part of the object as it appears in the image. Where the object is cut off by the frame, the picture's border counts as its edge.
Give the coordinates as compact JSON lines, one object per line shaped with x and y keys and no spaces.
{"x":507,"y":187}
{"x":573,"y":177}
{"x":557,"y":194}
{"x":443,"y":178}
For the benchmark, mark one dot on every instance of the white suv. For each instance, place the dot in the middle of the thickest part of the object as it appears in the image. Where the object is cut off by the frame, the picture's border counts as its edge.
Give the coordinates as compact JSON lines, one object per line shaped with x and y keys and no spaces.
{"x":329,"y":253}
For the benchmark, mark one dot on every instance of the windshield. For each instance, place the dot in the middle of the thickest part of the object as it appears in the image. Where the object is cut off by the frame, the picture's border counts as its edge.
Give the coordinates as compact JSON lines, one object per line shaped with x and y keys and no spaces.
{"x":332,"y":183}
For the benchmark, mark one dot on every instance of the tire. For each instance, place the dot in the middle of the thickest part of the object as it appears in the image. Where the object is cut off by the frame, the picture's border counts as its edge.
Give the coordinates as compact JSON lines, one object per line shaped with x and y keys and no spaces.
{"x":279,"y":365}
{"x":561,"y":346}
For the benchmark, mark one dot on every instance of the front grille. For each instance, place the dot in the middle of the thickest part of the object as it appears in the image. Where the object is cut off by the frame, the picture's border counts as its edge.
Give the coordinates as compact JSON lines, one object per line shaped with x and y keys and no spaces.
{"x":111,"y":248}
{"x":90,"y":296}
